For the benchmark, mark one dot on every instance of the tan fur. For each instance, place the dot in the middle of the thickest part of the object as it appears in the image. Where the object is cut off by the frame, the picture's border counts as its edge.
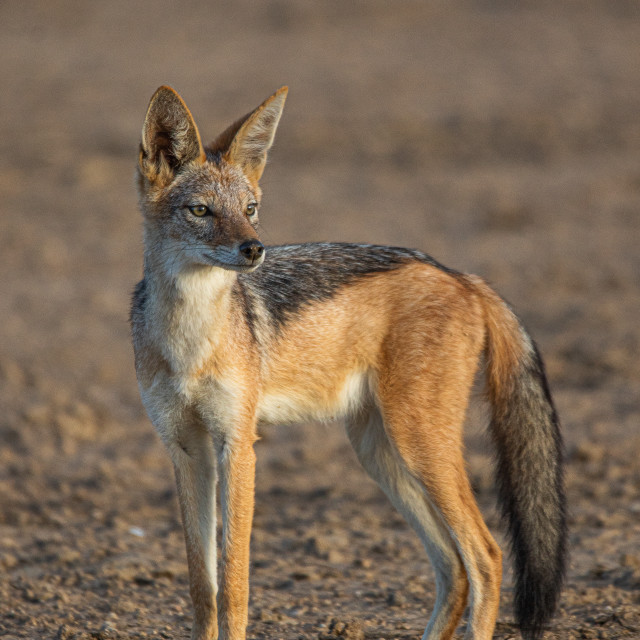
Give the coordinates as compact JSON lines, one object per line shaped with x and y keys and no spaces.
{"x":508,"y":344}
{"x":395,"y":353}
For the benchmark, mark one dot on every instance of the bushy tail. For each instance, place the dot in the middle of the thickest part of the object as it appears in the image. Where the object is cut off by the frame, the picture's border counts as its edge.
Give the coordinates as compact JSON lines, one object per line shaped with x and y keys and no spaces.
{"x":526,"y":431}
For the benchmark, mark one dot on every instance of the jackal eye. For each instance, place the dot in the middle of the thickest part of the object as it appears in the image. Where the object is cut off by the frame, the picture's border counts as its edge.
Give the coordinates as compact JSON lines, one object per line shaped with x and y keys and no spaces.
{"x":252,"y":209}
{"x":199,"y":210}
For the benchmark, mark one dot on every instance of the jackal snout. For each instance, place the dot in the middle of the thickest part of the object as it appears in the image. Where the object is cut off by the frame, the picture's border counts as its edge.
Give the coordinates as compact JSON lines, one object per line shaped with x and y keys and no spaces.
{"x":232,"y":243}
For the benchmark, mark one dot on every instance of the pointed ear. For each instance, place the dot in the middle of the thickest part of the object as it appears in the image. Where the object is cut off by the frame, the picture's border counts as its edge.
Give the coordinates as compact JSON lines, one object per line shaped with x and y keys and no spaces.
{"x":246,"y":142}
{"x":170,"y":138}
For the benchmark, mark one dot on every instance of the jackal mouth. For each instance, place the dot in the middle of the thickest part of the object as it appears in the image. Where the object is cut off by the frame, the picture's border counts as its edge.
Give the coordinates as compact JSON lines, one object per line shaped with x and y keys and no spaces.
{"x":242,"y":267}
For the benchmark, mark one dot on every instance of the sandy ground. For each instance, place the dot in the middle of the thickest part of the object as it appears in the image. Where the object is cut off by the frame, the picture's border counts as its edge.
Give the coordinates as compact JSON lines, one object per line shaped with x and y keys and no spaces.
{"x":504,"y":141}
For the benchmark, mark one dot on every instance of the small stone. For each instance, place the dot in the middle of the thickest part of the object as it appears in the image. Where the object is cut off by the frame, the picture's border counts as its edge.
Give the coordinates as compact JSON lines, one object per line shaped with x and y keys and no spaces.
{"x":65,"y":632}
{"x":30,"y":595}
{"x":106,"y":632}
{"x":69,"y":556}
{"x":589,"y":452}
{"x":301,"y":575}
{"x":283,"y":585}
{"x":8,"y":560}
{"x":363,"y":563}
{"x":396,"y":599}
{"x":338,"y":627}
{"x":318,"y":547}
{"x":267,"y":616}
{"x":335,"y":557}
{"x":630,"y":560}
{"x":348,"y":629}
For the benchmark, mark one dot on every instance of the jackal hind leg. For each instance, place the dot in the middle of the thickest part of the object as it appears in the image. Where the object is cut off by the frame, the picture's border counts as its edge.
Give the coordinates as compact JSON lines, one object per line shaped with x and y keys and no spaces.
{"x":382,"y":462}
{"x":432,"y":452}
{"x":194,"y":464}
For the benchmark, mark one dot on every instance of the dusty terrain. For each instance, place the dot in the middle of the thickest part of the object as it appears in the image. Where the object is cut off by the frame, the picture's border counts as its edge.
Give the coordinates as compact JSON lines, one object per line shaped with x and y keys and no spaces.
{"x":503,"y":141}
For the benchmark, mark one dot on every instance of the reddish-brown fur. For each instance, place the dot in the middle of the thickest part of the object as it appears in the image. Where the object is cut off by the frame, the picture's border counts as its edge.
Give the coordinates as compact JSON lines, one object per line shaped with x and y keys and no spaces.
{"x":396,"y":351}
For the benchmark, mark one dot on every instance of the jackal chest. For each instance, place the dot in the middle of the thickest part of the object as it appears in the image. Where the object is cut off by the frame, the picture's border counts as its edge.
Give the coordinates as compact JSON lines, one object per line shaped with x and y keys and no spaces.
{"x":187,"y":323}
{"x":172,"y":401}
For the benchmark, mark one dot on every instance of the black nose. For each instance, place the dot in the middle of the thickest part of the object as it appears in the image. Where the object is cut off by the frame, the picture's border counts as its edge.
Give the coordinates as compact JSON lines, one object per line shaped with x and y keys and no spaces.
{"x":252,"y":249}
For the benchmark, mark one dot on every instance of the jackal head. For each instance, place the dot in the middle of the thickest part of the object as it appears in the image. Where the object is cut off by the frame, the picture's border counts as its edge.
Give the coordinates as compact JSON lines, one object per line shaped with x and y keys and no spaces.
{"x":200,"y":203}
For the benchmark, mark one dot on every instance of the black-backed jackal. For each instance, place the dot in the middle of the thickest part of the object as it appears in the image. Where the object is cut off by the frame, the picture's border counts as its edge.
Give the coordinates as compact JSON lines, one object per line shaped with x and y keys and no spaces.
{"x":228,"y":334}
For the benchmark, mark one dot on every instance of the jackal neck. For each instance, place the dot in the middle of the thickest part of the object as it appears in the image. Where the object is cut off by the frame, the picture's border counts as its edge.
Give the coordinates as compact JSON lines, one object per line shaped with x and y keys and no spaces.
{"x":188,"y":312}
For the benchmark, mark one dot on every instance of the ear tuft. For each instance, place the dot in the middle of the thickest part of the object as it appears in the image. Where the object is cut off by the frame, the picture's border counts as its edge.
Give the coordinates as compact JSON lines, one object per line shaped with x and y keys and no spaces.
{"x":246,"y":142}
{"x":170,"y":138}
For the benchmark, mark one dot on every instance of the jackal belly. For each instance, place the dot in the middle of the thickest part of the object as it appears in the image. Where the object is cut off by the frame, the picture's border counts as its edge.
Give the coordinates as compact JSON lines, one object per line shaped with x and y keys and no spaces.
{"x":314,"y":398}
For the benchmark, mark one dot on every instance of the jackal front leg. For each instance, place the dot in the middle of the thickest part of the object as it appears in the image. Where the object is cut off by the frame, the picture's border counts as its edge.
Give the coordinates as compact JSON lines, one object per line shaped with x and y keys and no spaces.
{"x":195,"y":469}
{"x":237,"y":482}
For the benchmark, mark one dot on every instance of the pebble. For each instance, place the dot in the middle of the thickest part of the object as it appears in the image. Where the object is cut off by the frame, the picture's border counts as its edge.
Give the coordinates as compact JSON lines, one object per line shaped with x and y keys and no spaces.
{"x":363,"y":563}
{"x":630,"y":560}
{"x":106,"y":632}
{"x":348,"y":629}
{"x":65,"y":632}
{"x":8,"y":560}
{"x":396,"y":599}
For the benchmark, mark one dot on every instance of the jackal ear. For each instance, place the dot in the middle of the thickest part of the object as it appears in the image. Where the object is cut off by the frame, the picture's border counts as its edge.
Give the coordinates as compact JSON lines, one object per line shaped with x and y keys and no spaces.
{"x":246,"y":142}
{"x":170,"y":138}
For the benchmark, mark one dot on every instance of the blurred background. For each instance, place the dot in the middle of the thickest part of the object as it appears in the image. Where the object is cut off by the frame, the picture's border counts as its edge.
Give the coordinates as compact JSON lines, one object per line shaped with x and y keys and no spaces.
{"x":502,"y":138}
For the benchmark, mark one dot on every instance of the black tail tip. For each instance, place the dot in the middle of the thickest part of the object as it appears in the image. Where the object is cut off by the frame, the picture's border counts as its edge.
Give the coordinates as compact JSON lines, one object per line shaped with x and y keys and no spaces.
{"x":532,"y":633}
{"x":534,"y":610}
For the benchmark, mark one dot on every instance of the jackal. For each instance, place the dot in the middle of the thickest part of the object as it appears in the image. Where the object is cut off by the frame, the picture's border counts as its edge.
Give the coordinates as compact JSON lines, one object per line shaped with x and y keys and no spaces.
{"x":229,"y":334}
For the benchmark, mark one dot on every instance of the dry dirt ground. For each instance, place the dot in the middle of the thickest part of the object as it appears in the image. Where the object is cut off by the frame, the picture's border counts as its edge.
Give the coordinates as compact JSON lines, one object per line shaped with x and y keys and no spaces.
{"x":502,"y":139}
